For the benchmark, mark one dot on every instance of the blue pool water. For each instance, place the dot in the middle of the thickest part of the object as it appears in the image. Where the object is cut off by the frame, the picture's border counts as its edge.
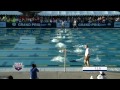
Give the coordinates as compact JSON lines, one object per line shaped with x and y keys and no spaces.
{"x":40,"y":46}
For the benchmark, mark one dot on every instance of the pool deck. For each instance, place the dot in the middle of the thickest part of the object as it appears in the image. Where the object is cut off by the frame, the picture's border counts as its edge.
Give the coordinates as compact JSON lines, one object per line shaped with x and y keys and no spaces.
{"x":58,"y":73}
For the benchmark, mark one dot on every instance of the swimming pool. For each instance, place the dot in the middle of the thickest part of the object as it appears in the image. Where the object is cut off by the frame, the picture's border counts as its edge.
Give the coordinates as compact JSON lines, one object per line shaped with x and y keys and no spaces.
{"x":44,"y":47}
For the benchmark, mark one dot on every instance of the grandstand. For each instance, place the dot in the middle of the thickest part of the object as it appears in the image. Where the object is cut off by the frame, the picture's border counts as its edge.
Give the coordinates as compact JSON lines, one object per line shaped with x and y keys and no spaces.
{"x":53,"y":16}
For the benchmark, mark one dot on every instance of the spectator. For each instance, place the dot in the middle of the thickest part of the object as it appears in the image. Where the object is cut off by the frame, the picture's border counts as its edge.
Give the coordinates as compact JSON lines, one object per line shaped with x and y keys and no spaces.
{"x":74,"y":23}
{"x":63,"y":24}
{"x":10,"y":77}
{"x":101,"y":75}
{"x":91,"y":77}
{"x":33,"y":72}
{"x":82,"y":19}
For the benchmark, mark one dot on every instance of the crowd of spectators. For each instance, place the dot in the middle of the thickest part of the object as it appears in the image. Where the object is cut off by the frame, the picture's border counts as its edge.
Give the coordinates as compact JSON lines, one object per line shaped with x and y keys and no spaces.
{"x":54,"y":19}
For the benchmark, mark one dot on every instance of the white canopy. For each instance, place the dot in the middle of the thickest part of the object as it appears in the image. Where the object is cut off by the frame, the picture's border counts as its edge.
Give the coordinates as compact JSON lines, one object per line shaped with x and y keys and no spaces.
{"x":79,"y":13}
{"x":10,"y":13}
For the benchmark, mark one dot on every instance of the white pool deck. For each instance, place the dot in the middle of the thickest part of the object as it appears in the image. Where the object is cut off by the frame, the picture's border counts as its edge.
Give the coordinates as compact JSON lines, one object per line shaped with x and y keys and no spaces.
{"x":72,"y":69}
{"x":58,"y":73}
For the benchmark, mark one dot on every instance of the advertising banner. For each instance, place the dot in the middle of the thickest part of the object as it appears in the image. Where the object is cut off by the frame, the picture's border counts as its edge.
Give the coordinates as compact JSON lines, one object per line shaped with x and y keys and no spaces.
{"x":116,"y":24}
{"x":2,"y":24}
{"x":66,"y":25}
{"x":29,"y":25}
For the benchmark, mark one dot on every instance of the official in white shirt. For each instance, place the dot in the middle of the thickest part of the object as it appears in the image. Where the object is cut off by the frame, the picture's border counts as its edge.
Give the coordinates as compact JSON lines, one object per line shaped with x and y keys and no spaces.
{"x":87,"y":56}
{"x":63,"y":24}
{"x":74,"y":23}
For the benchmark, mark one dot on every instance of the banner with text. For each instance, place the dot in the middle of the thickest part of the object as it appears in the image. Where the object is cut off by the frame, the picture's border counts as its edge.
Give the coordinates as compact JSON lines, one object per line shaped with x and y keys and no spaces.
{"x":58,"y":25}
{"x":30,"y":25}
{"x":116,"y":24}
{"x":2,"y":24}
{"x":66,"y":25}
{"x":93,"y":25}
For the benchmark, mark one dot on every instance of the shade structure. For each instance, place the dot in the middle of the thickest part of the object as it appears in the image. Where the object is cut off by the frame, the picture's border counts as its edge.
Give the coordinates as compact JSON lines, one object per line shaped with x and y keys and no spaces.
{"x":10,"y":13}
{"x":79,"y":13}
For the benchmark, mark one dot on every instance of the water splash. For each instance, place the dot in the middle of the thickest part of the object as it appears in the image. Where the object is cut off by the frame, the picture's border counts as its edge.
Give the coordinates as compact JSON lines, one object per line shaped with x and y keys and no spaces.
{"x":97,"y":59}
{"x":64,"y":37}
{"x":59,"y":31}
{"x":54,"y":40}
{"x":78,"y":50}
{"x":60,"y":45}
{"x":58,"y":59}
{"x":80,"y":60}
{"x":69,"y":41}
{"x":61,"y":51}
{"x":78,"y":46}
{"x":59,"y":37}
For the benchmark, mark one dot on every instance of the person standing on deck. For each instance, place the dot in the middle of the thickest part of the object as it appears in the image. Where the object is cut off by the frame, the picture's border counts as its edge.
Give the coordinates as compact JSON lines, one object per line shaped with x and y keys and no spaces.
{"x":87,"y":56}
{"x":33,"y":72}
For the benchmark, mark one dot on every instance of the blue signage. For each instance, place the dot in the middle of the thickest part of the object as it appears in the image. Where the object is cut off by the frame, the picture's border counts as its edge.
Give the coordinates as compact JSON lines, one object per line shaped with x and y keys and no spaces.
{"x":2,"y":24}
